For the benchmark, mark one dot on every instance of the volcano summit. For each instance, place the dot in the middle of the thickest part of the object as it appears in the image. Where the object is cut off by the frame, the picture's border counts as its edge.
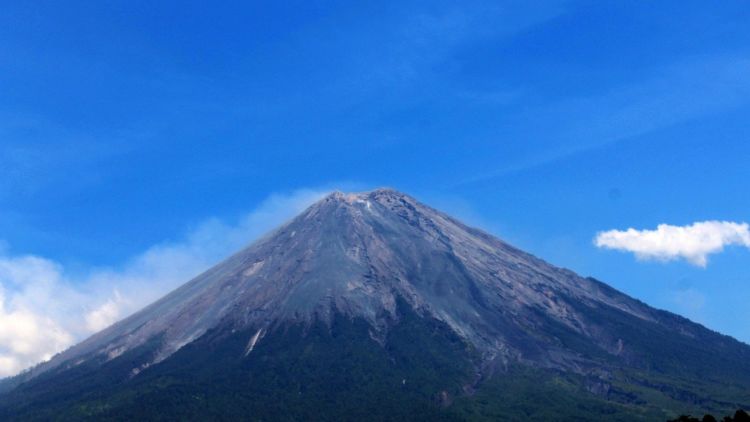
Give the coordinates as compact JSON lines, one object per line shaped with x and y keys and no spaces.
{"x":376,"y":306}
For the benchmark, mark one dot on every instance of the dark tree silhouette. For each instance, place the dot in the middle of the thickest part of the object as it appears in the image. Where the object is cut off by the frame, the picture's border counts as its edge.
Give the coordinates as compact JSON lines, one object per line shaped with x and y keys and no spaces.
{"x":739,"y":416}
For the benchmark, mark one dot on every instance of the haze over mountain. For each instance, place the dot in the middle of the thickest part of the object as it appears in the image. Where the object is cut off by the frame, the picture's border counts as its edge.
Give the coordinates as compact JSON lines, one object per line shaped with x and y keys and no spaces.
{"x":374,"y":305}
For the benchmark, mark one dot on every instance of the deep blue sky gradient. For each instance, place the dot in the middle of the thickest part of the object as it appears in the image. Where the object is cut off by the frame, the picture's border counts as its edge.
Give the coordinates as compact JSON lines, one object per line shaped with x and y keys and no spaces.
{"x":124,"y":124}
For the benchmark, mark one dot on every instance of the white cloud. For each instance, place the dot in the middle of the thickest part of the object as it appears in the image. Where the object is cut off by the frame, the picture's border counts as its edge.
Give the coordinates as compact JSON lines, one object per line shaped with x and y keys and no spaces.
{"x":693,"y":243}
{"x":44,"y":309}
{"x":106,"y":314}
{"x":29,"y":334}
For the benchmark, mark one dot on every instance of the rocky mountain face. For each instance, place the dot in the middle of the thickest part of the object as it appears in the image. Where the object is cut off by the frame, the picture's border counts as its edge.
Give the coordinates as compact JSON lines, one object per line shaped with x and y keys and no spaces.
{"x":364,"y":295}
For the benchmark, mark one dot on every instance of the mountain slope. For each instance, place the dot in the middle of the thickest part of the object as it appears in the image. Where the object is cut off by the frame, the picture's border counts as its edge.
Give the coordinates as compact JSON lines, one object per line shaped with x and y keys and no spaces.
{"x":345,"y":279}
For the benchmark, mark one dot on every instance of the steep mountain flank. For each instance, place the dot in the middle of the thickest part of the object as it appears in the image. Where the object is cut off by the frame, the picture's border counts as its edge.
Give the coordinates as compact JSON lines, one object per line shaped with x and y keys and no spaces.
{"x":374,"y":305}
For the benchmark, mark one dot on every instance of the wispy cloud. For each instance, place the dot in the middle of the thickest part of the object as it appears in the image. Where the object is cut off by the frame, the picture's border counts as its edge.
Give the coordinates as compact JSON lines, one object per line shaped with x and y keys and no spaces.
{"x":693,"y":243}
{"x":44,"y":309}
{"x":672,"y":94}
{"x":28,"y":332}
{"x":691,"y":303}
{"x":690,"y":300}
{"x":36,"y":155}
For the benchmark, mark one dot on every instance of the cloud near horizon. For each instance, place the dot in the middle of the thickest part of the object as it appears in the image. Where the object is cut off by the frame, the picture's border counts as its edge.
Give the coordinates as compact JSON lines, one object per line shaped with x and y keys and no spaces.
{"x":693,"y":243}
{"x":44,"y":309}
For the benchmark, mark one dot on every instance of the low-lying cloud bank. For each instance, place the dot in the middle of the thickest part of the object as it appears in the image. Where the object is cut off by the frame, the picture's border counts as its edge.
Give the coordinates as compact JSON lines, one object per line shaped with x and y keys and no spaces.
{"x":44,"y":309}
{"x":692,"y":243}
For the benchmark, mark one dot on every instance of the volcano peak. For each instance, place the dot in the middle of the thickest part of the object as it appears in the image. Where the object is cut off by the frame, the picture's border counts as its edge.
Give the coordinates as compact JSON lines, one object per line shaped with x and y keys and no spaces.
{"x":381,"y":259}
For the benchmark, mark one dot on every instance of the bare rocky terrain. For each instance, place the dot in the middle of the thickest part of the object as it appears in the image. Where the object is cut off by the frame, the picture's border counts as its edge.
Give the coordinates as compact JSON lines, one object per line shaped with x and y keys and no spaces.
{"x":379,"y":256}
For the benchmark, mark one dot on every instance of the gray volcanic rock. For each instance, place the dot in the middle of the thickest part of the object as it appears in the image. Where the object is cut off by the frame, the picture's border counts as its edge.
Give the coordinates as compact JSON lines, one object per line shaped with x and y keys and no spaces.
{"x":355,"y":253}
{"x":361,"y":255}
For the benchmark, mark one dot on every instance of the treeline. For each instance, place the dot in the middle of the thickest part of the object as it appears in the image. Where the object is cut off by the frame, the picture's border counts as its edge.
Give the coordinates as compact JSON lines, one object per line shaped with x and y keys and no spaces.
{"x":739,"y":416}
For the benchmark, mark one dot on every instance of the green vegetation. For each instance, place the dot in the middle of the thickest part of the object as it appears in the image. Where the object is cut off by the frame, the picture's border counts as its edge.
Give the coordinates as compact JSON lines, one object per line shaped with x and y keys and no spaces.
{"x":739,"y":416}
{"x":294,"y":373}
{"x":525,"y":394}
{"x":420,"y":371}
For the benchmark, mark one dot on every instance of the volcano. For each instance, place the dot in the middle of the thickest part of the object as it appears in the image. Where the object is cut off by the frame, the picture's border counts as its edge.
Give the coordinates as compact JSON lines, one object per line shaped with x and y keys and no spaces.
{"x":374,"y":306}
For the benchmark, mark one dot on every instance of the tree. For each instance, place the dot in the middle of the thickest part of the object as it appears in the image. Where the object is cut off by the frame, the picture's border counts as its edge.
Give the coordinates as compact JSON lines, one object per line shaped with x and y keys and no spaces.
{"x":739,"y":416}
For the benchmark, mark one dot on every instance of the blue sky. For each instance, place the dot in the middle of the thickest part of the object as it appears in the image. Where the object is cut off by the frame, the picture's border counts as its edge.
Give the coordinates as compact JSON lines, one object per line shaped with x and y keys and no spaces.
{"x":129,"y":129}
